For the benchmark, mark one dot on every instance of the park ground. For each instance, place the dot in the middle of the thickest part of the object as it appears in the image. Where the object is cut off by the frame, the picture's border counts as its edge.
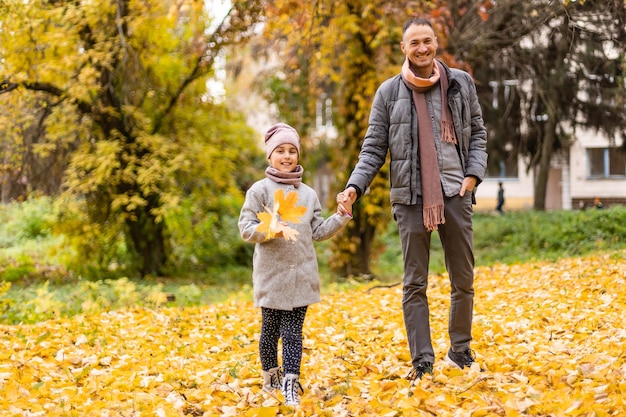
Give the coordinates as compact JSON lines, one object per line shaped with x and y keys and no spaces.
{"x":549,"y":335}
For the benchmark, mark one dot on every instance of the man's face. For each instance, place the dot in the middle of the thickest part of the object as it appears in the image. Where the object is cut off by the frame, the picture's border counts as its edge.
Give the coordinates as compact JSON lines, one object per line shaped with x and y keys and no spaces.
{"x":419,"y":44}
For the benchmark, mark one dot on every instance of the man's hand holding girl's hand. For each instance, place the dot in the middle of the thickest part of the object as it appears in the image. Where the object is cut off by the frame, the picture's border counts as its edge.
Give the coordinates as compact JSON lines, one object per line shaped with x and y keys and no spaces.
{"x":344,"y":204}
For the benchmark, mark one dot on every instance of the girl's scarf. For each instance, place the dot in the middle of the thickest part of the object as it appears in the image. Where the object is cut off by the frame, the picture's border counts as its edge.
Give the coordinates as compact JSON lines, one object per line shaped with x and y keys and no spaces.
{"x":292,"y":178}
{"x":432,"y":194}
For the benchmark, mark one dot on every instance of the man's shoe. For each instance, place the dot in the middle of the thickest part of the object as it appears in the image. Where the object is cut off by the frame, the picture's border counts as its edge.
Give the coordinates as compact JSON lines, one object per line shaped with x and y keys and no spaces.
{"x":461,"y":360}
{"x":418,"y":371}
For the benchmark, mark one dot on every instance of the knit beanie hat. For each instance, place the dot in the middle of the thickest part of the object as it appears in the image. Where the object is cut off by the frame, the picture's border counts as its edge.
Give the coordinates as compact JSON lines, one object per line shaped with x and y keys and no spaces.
{"x":279,"y":134}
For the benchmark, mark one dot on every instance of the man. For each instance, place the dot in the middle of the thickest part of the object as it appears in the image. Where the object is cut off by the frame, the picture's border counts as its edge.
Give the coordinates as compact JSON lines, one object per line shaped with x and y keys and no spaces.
{"x":500,"y":205}
{"x":428,"y":118}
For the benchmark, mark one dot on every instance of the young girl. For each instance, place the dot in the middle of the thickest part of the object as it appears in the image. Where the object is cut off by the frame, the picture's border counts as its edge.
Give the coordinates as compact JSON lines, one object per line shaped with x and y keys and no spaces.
{"x":283,"y":226}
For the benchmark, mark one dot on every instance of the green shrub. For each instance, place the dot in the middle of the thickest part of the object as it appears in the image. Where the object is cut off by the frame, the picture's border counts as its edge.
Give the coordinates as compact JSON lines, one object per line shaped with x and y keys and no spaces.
{"x":43,"y":301}
{"x":206,"y":235}
{"x":28,"y":220}
{"x":188,"y":295}
{"x":533,"y":235}
{"x":6,"y":302}
{"x":21,"y":272}
{"x":522,"y":236}
{"x":90,"y":250}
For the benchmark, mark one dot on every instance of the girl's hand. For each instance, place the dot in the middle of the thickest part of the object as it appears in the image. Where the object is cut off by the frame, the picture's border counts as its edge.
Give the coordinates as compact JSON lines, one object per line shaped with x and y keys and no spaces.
{"x":280,"y":226}
{"x":344,"y":205}
{"x":283,"y":230}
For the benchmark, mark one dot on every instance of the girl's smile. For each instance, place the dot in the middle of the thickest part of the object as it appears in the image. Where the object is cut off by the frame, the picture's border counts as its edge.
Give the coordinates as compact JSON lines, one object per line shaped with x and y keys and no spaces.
{"x":284,"y":158}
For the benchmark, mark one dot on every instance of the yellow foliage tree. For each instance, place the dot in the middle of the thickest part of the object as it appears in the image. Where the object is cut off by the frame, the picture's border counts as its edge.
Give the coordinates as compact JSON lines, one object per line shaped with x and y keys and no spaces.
{"x":121,"y":78}
{"x":342,"y":51}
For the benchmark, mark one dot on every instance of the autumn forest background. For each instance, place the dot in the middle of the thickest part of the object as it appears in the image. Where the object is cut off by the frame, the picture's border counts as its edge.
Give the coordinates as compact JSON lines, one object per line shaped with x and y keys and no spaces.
{"x":131,"y":131}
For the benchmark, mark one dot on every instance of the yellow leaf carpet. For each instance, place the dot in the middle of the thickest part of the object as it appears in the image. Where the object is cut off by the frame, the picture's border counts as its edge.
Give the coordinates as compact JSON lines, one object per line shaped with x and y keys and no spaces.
{"x":550,"y":336}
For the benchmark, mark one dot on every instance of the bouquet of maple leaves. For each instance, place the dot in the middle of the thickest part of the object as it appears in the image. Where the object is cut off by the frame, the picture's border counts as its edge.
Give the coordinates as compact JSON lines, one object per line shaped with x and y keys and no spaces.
{"x":274,"y":222}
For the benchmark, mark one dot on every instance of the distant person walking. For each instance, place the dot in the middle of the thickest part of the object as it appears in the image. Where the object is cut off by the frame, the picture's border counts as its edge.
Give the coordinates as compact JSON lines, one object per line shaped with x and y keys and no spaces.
{"x":500,"y":198}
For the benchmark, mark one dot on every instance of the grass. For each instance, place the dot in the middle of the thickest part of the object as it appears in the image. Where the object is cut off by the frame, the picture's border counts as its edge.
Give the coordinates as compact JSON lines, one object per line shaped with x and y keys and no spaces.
{"x":523,"y":236}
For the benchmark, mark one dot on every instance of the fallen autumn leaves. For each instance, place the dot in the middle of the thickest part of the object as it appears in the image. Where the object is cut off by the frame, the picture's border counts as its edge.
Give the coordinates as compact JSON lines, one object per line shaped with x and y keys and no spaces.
{"x":550,"y":335}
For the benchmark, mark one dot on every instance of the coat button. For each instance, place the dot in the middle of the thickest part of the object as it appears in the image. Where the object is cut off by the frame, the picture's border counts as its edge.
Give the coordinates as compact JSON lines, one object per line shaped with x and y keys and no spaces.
{"x":292,"y":267}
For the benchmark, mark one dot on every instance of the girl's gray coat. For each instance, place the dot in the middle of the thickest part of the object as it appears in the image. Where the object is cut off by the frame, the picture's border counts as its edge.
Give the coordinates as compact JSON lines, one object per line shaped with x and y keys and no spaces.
{"x":285,"y":273}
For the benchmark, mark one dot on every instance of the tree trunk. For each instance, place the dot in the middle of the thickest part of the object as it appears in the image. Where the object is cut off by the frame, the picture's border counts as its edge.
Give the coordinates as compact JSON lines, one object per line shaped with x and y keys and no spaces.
{"x":364,"y":232}
{"x":543,"y":169}
{"x":148,"y":238}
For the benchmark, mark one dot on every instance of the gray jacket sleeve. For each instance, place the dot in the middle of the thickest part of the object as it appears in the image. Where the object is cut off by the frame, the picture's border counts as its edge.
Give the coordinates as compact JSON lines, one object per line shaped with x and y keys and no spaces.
{"x":323,"y":229}
{"x":375,"y":144}
{"x":248,"y":221}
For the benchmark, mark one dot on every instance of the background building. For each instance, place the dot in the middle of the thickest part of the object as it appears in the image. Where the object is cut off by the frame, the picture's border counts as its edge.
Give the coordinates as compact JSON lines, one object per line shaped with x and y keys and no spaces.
{"x":592,"y":168}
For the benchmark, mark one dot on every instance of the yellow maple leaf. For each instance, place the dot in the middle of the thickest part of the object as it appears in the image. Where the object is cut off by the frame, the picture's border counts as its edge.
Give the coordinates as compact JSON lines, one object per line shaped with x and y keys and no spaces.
{"x":267,"y":218}
{"x":282,"y":229}
{"x":287,"y":208}
{"x":274,"y":222}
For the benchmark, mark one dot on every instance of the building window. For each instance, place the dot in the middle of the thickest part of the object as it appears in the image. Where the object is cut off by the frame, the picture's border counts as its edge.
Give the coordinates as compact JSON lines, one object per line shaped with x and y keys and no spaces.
{"x":606,"y":162}
{"x":503,"y":169}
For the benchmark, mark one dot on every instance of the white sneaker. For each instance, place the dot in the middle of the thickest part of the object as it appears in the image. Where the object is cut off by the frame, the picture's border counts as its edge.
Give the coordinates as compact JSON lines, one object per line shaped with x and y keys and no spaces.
{"x":272,"y":379}
{"x":292,"y":389}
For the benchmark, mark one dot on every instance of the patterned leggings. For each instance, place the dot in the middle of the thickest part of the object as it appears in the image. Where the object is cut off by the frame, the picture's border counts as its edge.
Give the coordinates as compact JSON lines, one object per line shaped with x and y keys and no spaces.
{"x":286,"y":325}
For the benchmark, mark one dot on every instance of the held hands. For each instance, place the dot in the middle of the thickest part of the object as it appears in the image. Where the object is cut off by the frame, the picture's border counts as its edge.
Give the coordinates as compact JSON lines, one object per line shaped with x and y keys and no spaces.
{"x":345,"y":199}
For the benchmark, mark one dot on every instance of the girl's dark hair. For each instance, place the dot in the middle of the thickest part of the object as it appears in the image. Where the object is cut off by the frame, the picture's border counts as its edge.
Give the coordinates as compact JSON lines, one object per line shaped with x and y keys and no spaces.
{"x":416,"y":21}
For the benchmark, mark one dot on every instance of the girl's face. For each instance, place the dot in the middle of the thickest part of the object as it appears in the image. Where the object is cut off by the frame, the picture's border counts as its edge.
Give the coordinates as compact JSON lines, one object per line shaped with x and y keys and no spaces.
{"x":284,"y":158}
